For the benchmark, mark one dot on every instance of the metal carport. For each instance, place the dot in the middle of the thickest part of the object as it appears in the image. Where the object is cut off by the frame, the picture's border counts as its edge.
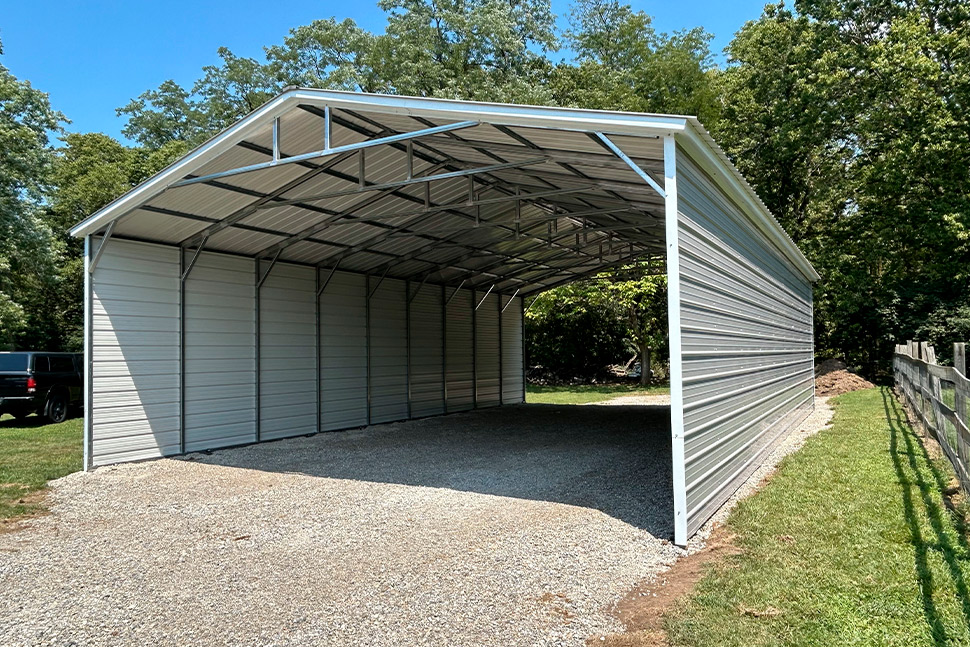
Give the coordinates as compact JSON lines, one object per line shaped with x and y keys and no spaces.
{"x":339,"y":259}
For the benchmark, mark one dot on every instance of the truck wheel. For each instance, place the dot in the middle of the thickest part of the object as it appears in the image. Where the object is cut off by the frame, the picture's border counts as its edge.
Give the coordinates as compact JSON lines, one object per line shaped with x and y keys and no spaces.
{"x":56,"y":408}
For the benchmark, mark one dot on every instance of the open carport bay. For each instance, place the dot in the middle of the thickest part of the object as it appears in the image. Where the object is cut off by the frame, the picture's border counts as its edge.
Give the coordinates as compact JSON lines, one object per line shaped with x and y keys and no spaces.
{"x":514,"y":525}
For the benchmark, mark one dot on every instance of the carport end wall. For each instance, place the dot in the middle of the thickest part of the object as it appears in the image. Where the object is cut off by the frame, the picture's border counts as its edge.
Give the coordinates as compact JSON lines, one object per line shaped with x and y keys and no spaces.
{"x":172,"y":364}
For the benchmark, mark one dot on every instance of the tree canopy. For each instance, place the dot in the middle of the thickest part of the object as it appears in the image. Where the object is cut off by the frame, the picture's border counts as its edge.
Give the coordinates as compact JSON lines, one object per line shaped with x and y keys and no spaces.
{"x":850,"y":119}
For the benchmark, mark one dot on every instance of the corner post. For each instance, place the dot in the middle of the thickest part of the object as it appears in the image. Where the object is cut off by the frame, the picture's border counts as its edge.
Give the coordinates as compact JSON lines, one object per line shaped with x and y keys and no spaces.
{"x":671,"y":231}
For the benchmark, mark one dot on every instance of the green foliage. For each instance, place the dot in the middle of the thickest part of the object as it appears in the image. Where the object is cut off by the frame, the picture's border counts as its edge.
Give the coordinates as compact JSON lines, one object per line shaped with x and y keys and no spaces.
{"x":575,"y":331}
{"x":624,"y":64}
{"x":850,"y":120}
{"x":863,"y":554}
{"x":28,"y":255}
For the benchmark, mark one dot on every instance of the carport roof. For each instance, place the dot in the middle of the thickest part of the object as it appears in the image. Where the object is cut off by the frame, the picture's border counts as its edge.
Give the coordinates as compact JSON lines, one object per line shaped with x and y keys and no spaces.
{"x":496,"y":196}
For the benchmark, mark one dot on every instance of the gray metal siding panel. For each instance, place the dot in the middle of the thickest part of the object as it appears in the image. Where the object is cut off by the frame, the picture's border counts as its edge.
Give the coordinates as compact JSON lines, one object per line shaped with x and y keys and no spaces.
{"x":220,"y":353}
{"x":427,"y":370}
{"x":487,"y":350}
{"x":388,"y":352}
{"x":287,"y":389}
{"x":746,"y":331}
{"x":512,"y":352}
{"x":135,"y":329}
{"x":458,"y":366}
{"x":343,"y":353}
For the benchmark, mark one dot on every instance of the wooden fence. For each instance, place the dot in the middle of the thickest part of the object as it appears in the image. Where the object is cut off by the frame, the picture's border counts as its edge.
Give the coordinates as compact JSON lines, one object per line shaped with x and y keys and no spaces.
{"x":938,"y":395}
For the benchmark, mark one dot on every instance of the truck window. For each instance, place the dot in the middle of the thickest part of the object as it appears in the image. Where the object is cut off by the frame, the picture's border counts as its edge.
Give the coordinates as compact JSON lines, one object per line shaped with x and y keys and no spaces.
{"x":42,"y":364}
{"x":62,"y":364}
{"x":13,"y":361}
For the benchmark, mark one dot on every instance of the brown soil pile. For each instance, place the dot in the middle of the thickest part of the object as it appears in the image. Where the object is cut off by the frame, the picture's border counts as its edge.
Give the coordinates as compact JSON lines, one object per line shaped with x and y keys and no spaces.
{"x":832,"y":378}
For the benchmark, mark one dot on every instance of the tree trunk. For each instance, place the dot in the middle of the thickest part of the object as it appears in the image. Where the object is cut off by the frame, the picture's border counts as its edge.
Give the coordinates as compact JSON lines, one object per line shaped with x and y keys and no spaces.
{"x":644,"y":364}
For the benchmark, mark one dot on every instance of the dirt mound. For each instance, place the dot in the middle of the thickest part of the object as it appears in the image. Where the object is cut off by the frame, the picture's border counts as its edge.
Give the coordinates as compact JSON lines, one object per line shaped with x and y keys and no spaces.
{"x":832,"y":378}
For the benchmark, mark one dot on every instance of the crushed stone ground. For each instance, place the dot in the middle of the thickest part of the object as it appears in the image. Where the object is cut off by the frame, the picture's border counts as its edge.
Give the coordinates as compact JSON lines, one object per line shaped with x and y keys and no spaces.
{"x":512,"y":526}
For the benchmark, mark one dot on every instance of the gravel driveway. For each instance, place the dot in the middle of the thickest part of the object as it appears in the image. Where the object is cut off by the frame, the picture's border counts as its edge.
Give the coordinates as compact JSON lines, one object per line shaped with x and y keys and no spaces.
{"x":511,"y":526}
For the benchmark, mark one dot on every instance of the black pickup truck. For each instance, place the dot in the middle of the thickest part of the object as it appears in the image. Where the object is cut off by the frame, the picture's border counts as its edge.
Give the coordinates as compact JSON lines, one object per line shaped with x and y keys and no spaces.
{"x":47,"y":384}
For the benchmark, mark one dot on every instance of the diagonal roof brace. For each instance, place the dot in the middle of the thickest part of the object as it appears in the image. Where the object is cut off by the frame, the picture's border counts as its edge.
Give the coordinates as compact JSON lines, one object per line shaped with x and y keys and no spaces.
{"x":359,"y":146}
{"x":606,"y":141}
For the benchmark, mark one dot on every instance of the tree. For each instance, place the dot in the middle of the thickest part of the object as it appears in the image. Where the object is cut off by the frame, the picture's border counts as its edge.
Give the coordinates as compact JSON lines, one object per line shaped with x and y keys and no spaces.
{"x":27,"y":254}
{"x":574,"y":332}
{"x":643,"y":297}
{"x":488,"y":50}
{"x":622,"y":63}
{"x":850,"y":120}
{"x":90,"y":171}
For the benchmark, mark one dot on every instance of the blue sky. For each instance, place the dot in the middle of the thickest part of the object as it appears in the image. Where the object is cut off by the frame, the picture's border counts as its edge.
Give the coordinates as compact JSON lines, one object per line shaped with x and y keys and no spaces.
{"x":93,"y":57}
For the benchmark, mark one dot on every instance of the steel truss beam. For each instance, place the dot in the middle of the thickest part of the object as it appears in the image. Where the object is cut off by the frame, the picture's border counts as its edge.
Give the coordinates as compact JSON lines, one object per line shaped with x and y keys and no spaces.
{"x":358,"y":147}
{"x":266,"y":201}
{"x":428,"y":158}
{"x":248,"y":210}
{"x":410,"y":181}
{"x":378,"y":238}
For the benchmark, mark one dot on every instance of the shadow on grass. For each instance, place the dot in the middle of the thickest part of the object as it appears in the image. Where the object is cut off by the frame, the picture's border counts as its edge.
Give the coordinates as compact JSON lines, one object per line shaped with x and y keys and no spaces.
{"x":32,"y":421}
{"x":929,"y":504}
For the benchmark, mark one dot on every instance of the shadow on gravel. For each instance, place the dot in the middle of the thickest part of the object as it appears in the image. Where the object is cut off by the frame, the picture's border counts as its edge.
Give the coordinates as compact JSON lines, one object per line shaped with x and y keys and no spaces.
{"x":610,"y":458}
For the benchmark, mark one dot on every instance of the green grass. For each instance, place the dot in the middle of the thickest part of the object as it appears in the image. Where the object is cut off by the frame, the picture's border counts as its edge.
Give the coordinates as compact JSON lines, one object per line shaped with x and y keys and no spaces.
{"x":31,"y":454}
{"x":849,"y":544}
{"x":585,"y":393}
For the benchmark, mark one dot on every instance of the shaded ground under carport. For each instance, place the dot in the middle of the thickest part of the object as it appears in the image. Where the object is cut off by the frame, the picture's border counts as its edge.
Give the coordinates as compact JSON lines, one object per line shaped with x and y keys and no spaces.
{"x":507,"y":526}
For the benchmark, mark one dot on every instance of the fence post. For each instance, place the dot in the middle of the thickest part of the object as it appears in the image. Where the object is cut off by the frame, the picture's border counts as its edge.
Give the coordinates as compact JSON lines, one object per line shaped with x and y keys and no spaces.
{"x":960,"y":357}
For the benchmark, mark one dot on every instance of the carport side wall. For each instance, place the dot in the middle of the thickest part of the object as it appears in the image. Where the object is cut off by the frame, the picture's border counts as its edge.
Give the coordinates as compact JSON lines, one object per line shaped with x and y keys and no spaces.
{"x":137,"y":363}
{"x":746,"y":343}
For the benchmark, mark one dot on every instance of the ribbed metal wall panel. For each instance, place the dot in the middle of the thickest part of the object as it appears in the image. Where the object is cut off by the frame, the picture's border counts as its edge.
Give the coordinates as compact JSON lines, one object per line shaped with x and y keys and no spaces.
{"x":135,"y":352}
{"x":746,"y":335}
{"x":287,"y":384}
{"x":135,"y":297}
{"x":220,"y":352}
{"x":487,"y":351}
{"x":459,"y":358}
{"x":388,"y":351}
{"x":512,"y":351}
{"x":343,"y":352}
{"x":427,"y":367}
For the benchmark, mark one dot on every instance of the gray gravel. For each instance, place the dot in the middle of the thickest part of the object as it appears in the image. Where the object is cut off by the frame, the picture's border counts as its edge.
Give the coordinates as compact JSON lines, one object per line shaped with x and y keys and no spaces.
{"x":513,"y":526}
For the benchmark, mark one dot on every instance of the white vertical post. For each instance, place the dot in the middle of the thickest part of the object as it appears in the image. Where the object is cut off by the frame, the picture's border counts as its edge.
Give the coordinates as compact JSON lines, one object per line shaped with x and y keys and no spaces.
{"x":407,"y":340}
{"x":671,"y":230}
{"x":256,"y":317}
{"x":316,"y":345}
{"x":88,"y":358}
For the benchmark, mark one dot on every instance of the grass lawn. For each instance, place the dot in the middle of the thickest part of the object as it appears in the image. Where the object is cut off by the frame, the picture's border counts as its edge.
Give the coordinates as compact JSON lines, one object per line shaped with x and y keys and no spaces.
{"x":32,"y":453}
{"x":584,"y":393}
{"x":850,"y":543}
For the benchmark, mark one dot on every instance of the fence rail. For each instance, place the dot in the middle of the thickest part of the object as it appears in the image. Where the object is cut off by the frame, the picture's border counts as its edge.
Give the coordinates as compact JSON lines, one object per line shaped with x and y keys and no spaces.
{"x":938,"y":395}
